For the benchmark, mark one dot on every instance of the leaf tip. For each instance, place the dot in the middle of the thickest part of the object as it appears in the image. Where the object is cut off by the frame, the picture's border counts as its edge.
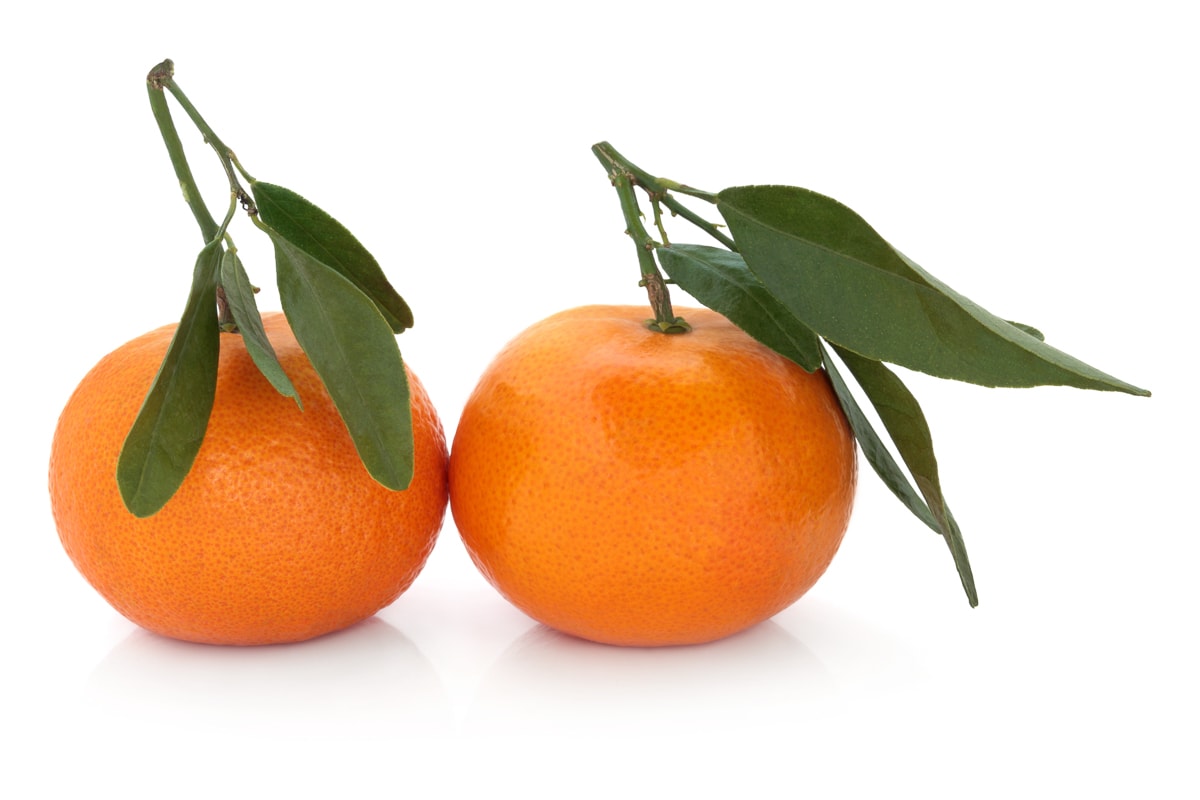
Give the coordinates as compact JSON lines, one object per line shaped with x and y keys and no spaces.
{"x":136,"y":500}
{"x":397,"y":480}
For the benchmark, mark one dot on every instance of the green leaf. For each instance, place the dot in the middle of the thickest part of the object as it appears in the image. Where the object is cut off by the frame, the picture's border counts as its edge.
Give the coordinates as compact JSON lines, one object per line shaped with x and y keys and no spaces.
{"x":839,"y":277}
{"x":354,"y":351}
{"x":326,"y":240}
{"x":905,"y":423}
{"x":162,"y":444}
{"x":240,"y":296}
{"x":720,"y":280}
{"x":876,"y":452}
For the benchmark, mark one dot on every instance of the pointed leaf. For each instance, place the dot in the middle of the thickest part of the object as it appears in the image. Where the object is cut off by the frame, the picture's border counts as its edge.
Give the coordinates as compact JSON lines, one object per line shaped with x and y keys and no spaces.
{"x":720,"y":280}
{"x":838,"y":276}
{"x":240,"y":295}
{"x":326,"y":240}
{"x":354,"y":351}
{"x":162,"y":444}
{"x":905,"y":423}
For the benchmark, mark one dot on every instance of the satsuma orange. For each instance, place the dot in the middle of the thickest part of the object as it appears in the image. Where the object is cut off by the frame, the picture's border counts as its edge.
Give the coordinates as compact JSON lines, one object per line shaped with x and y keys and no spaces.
{"x":278,"y":533}
{"x":637,"y":488}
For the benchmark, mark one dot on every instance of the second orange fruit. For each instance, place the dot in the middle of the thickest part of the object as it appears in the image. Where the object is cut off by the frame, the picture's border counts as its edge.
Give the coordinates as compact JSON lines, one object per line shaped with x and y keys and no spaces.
{"x":278,"y":533}
{"x":637,"y":488}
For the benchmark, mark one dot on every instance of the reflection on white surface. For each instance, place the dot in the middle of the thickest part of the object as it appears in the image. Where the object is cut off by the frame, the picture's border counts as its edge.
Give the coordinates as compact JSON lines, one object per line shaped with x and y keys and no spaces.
{"x":366,"y":681}
{"x":548,"y":682}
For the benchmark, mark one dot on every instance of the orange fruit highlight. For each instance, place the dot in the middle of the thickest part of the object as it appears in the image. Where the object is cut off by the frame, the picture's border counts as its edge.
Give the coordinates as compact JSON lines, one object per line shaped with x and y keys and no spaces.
{"x":278,"y":533}
{"x":637,"y":488}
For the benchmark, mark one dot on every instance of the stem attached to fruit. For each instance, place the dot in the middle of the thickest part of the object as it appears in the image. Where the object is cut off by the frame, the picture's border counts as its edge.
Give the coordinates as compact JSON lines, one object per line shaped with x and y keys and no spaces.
{"x":664,"y":320}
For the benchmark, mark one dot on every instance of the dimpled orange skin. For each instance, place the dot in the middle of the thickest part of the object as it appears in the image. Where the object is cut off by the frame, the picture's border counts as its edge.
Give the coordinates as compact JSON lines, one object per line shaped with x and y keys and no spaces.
{"x":636,"y":488}
{"x":278,"y":533}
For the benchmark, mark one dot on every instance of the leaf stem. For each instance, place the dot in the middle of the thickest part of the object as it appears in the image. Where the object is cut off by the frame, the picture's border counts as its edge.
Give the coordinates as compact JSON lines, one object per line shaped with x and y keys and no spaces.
{"x":656,"y":204}
{"x":224,"y":312}
{"x":712,"y":230}
{"x":240,"y":168}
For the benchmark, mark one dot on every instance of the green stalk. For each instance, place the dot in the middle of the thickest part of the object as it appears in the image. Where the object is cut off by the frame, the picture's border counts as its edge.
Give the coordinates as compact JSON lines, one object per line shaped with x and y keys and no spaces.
{"x":163,"y":77}
{"x":683,"y":211}
{"x":661,"y":189}
{"x":162,"y":115}
{"x":664,"y":320}
{"x":608,"y":154}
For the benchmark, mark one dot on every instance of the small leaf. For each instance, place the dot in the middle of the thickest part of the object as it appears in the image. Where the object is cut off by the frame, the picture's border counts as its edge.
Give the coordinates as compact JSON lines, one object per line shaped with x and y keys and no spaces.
{"x":839,"y":277}
{"x":240,"y":295}
{"x":354,"y":351}
{"x":326,"y":240}
{"x":905,"y":423}
{"x":720,"y":280}
{"x":162,"y":444}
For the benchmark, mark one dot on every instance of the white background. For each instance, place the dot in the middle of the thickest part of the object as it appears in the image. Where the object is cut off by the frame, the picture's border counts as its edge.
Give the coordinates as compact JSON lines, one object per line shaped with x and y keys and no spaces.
{"x":1039,"y":157}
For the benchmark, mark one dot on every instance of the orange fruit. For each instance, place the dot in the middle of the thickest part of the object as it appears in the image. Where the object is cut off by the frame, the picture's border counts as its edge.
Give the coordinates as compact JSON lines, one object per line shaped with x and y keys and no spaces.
{"x":637,"y":488}
{"x":278,"y":533}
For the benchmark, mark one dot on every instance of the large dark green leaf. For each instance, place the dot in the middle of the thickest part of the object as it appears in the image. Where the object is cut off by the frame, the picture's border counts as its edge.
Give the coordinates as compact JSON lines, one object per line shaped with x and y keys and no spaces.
{"x":720,"y":280}
{"x":905,"y":423}
{"x":326,"y":240}
{"x":162,"y":444}
{"x":240,"y":296}
{"x":838,"y":276}
{"x":354,"y":351}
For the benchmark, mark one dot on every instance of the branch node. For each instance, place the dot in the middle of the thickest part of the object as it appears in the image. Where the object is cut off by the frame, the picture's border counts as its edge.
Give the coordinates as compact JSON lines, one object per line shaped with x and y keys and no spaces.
{"x":161,"y":74}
